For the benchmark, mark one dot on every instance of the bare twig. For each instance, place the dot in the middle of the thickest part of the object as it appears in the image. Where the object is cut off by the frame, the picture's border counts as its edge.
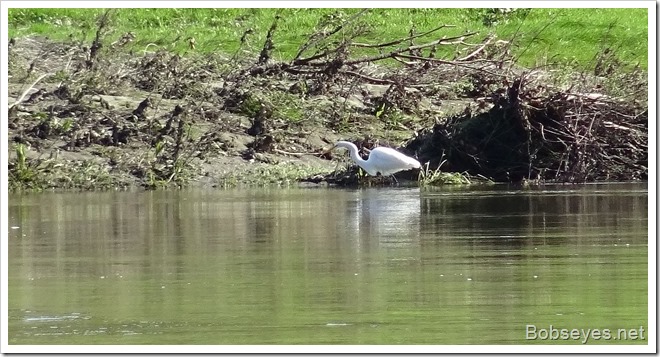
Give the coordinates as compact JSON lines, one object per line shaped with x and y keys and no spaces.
{"x":297,"y":154}
{"x":442,"y":41}
{"x":477,"y":51}
{"x":391,"y":43}
{"x":264,"y":56}
{"x":455,"y":63}
{"x":103,"y":23}
{"x":313,"y":41}
{"x":25,"y":93}
{"x":315,"y":57}
{"x":367,"y":78}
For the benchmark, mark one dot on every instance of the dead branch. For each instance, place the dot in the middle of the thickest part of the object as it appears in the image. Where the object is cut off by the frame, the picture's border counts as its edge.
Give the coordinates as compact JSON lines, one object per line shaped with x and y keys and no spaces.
{"x":312,"y":41}
{"x":392,"y":54}
{"x":454,"y":63}
{"x":367,"y":78}
{"x":103,"y":23}
{"x":264,"y":56}
{"x":25,"y":93}
{"x":477,"y":51}
{"x":395,"y":42}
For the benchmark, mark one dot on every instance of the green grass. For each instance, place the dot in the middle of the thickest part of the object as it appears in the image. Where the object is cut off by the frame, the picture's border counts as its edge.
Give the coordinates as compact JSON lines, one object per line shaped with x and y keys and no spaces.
{"x":34,"y":175}
{"x":567,"y":36}
{"x":283,"y":174}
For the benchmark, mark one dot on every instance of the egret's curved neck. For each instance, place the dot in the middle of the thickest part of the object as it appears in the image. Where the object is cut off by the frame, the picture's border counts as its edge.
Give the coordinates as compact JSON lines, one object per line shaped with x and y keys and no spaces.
{"x":355,"y":155}
{"x":353,"y":152}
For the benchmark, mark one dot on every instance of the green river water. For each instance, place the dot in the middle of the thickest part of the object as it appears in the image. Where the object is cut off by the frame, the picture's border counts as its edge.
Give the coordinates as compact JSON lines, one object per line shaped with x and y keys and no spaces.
{"x":458,"y":266}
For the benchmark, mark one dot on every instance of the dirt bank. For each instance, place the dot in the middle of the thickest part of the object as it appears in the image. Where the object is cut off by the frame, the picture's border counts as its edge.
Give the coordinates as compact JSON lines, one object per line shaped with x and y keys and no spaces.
{"x":93,"y":116}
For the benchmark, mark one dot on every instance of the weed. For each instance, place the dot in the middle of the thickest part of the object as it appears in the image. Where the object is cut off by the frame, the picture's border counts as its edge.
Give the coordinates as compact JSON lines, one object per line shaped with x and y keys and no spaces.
{"x":26,"y":174}
{"x":251,"y":105}
{"x":23,"y":174}
{"x":288,"y":107}
{"x":283,"y":175}
{"x":428,"y":177}
{"x":154,"y":181}
{"x":65,"y":126}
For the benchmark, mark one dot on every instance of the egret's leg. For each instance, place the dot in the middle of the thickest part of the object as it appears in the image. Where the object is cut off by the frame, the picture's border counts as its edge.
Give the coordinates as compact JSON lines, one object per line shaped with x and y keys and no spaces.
{"x":389,"y":176}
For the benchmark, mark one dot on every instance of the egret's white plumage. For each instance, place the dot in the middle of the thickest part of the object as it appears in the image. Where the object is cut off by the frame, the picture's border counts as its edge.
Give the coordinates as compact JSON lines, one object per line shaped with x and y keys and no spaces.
{"x":385,"y":161}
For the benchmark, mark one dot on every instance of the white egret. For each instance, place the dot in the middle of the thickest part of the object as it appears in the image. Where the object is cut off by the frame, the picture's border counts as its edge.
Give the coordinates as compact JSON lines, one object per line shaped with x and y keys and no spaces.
{"x":382,"y":160}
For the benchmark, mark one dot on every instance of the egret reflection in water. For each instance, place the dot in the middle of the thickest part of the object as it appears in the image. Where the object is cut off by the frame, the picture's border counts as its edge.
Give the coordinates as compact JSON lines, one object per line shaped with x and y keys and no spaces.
{"x":390,"y":215}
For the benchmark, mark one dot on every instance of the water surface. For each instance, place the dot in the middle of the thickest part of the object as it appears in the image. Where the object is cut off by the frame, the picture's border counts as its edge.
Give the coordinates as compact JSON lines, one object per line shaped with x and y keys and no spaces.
{"x":328,"y":266}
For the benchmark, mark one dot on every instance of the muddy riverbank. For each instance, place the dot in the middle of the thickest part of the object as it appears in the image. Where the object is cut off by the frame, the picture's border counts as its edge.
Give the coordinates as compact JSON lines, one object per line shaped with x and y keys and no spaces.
{"x":93,"y":116}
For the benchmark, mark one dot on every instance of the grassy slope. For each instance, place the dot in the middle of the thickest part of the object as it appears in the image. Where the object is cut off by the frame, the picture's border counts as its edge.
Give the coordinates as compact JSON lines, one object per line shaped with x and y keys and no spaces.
{"x":570,"y":36}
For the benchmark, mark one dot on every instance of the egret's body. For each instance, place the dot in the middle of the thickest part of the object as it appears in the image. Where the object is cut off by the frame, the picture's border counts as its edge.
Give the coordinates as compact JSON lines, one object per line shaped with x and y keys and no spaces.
{"x":382,"y":160}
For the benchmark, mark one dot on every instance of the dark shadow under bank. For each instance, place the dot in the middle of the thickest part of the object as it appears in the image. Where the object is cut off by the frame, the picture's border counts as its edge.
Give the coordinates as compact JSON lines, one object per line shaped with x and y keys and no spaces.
{"x":563,"y":137}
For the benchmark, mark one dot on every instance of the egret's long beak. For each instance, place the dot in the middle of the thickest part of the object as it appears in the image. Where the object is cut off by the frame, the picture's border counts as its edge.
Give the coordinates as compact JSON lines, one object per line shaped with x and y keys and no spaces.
{"x":326,"y":152}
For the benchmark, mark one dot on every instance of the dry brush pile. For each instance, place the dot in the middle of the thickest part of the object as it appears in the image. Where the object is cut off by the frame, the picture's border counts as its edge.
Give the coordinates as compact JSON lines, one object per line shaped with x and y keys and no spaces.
{"x":556,"y":136}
